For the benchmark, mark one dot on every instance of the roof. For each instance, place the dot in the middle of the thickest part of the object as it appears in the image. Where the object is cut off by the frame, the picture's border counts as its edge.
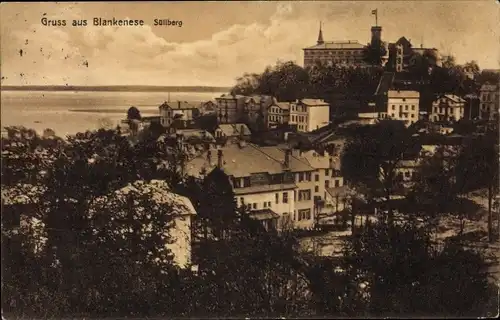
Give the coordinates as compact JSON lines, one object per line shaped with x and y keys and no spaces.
{"x":233,"y":129}
{"x":230,"y":96}
{"x":281,"y":105}
{"x":313,"y":102}
{"x":403,"y":94}
{"x":338,"y":191}
{"x":454,"y":98}
{"x":160,"y":193}
{"x":316,"y":160}
{"x":243,"y":161}
{"x":180,"y":105}
{"x":194,"y":133}
{"x":385,"y":83}
{"x":258,"y":98}
{"x":338,"y":45}
{"x":264,"y":214}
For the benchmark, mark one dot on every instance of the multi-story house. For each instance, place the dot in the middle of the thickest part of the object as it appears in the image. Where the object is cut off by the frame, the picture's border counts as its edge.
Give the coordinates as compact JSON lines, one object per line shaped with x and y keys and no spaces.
{"x":179,"y":111}
{"x":256,"y":107}
{"x":230,"y":108}
{"x":309,"y":114}
{"x":208,"y":107}
{"x":489,"y":101}
{"x":448,"y":108}
{"x":403,"y":105}
{"x":277,"y":185}
{"x":278,"y":113}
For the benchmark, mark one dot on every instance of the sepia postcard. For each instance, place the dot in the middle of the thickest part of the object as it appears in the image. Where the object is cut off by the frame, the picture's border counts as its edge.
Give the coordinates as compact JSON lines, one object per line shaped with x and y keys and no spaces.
{"x":250,"y":159}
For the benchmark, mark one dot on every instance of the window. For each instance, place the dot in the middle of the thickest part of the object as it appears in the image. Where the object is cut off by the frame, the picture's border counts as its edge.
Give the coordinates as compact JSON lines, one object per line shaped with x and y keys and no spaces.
{"x":337,"y":183}
{"x":327,"y":172}
{"x":327,"y":184}
{"x":308,"y":176}
{"x":304,"y":214}
{"x":316,"y":177}
{"x":406,"y":107}
{"x":393,"y":107}
{"x":301,"y":177}
{"x":413,"y":107}
{"x":277,"y":196}
{"x":255,"y":205}
{"x":285,"y":197}
{"x":316,"y":189}
{"x":407,"y":174}
{"x":242,"y":201}
{"x":249,"y":206}
{"x":265,"y":205}
{"x":269,"y":204}
{"x":304,"y":195}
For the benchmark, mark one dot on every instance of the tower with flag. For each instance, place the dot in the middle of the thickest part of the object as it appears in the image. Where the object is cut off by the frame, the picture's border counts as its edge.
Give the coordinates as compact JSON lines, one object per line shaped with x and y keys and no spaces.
{"x":375,"y":12}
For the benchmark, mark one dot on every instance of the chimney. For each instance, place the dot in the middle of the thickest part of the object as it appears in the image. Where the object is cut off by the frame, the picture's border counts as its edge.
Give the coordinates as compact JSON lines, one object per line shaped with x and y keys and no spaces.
{"x":219,"y":159}
{"x":287,"y":158}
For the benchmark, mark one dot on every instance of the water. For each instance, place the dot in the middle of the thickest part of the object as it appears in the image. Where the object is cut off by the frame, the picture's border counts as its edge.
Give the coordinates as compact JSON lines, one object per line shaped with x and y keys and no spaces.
{"x":71,"y":112}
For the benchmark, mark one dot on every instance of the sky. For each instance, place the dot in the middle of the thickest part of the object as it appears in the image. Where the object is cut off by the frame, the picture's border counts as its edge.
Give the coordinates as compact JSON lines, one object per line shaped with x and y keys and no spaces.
{"x":220,"y":41}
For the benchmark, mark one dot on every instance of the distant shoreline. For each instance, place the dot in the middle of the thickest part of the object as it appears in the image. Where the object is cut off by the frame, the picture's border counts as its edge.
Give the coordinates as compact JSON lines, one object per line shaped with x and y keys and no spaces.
{"x":118,"y":88}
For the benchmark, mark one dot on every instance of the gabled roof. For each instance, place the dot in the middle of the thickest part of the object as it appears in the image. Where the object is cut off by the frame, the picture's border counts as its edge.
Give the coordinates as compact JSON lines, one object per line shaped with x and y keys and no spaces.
{"x":243,"y":161}
{"x":281,"y":105}
{"x":346,"y":44}
{"x":453,"y":98}
{"x":313,"y":102}
{"x":234,"y":129}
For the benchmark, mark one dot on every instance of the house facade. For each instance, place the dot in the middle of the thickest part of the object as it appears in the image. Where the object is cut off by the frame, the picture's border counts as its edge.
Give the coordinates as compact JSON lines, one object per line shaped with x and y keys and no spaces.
{"x":403,"y":105}
{"x":181,"y":111}
{"x":489,"y":101}
{"x":448,"y":108}
{"x":230,"y":108}
{"x":274,"y":184}
{"x":309,"y":114}
{"x":278,"y":113}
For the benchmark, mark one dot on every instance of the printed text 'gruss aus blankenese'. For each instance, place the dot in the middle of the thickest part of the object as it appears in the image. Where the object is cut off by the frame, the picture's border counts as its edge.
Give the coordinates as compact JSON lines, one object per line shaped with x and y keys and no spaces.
{"x":113,"y":22}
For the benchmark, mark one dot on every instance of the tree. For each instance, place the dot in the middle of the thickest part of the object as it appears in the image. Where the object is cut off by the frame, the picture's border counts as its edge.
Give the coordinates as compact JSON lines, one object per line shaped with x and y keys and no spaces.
{"x":479,"y":169}
{"x":371,"y":158}
{"x":410,"y":278}
{"x":374,"y":52}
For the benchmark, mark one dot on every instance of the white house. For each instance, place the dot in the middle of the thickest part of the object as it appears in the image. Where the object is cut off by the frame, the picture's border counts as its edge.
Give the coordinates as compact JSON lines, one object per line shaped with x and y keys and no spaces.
{"x":403,"y":105}
{"x":448,"y":107}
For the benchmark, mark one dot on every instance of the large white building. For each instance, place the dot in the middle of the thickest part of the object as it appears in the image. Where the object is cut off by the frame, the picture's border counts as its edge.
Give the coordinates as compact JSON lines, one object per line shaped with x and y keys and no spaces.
{"x":280,"y":187}
{"x":403,"y":105}
{"x":448,"y":107}
{"x":489,"y":101}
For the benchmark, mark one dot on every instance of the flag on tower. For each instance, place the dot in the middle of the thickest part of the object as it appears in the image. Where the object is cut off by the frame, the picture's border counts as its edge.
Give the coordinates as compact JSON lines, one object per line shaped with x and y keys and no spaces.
{"x":374,"y":11}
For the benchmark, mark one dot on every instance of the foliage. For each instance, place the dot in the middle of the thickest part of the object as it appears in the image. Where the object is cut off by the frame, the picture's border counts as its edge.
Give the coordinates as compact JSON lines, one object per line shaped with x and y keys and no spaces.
{"x":288,"y":81}
{"x":415,"y":276}
{"x":374,"y":52}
